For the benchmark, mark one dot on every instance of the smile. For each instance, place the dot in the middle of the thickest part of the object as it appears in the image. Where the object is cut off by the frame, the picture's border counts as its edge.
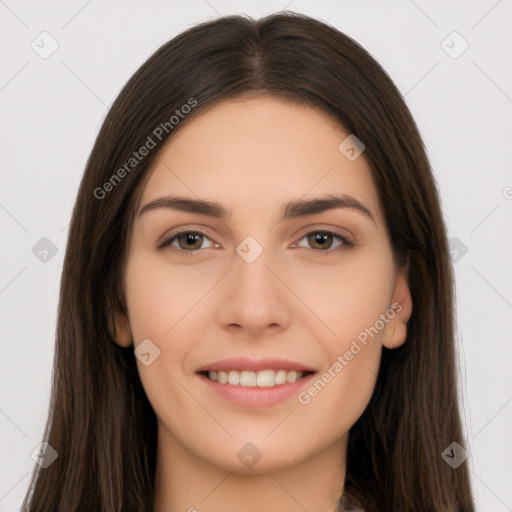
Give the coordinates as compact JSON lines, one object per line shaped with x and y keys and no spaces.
{"x":249,"y":381}
{"x":262,"y":378}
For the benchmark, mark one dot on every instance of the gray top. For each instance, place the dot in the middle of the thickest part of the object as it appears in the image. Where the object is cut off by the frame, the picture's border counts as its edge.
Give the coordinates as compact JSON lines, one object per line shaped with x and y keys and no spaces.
{"x":348,"y":503}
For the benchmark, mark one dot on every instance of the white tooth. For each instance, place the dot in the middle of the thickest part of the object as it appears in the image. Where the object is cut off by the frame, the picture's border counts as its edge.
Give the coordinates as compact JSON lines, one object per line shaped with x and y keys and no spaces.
{"x":291,"y":376}
{"x":234,"y":377}
{"x":265,"y":378}
{"x":281,"y":377}
{"x":247,"y":379}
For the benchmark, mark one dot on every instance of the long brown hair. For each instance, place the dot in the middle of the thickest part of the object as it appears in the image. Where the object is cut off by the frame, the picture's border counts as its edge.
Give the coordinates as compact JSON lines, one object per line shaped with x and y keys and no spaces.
{"x":100,"y":421}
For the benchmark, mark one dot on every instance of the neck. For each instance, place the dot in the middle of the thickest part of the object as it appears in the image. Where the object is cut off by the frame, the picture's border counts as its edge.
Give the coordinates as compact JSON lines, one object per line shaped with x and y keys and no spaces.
{"x":186,"y":482}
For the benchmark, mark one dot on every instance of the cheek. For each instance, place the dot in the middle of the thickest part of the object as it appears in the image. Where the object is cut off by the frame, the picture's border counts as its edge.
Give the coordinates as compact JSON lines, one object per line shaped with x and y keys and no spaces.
{"x":159,"y":295}
{"x":351,"y":301}
{"x":347,"y":297}
{"x":158,"y":300}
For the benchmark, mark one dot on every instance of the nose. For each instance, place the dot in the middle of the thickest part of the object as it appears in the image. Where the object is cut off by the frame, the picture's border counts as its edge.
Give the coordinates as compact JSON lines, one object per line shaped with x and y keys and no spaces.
{"x":254,"y":300}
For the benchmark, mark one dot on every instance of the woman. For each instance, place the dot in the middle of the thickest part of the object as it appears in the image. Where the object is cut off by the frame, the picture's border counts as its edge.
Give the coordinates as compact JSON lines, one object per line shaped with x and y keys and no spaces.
{"x":256,"y":307}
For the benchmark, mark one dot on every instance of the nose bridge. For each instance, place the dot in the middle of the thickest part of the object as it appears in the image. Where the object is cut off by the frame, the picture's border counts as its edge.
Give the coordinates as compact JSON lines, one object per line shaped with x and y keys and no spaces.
{"x":256,"y":298}
{"x":254,"y":279}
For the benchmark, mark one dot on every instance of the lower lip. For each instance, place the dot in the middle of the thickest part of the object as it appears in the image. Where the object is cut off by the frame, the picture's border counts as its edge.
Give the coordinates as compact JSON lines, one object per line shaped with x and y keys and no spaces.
{"x":255,"y":396}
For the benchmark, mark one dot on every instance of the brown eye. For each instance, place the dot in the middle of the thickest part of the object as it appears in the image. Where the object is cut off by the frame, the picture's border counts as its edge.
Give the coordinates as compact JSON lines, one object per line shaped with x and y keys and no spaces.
{"x":319,"y":240}
{"x":190,"y":240}
{"x":186,"y":241}
{"x":326,"y":241}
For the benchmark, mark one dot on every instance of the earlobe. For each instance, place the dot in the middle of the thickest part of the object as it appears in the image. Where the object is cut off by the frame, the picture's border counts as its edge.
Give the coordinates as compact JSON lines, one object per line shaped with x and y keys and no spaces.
{"x":119,"y":330}
{"x":395,"y":331}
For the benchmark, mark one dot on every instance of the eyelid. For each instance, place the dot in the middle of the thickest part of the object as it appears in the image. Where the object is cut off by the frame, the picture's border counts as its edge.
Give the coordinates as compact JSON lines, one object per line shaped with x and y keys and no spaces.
{"x":180,"y":230}
{"x":347,"y":241}
{"x":335,"y":230}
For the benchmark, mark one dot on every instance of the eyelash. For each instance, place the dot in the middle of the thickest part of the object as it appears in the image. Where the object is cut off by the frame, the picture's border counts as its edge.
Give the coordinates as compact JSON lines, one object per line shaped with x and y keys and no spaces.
{"x":167,"y":241}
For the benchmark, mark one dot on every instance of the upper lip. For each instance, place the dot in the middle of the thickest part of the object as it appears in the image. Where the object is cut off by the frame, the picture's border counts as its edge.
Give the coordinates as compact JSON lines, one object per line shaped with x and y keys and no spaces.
{"x":254,"y":364}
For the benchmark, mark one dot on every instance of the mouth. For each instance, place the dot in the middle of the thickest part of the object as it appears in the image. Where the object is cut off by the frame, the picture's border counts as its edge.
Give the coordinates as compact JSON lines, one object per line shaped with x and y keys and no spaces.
{"x":262,"y":379}
{"x":255,"y":382}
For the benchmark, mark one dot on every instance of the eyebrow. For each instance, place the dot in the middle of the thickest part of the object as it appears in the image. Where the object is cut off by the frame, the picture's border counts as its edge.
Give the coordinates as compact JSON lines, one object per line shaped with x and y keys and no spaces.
{"x":290,"y":210}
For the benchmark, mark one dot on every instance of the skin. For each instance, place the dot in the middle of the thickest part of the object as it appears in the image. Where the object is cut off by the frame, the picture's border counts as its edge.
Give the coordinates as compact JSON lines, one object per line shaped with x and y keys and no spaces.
{"x":296,"y":301}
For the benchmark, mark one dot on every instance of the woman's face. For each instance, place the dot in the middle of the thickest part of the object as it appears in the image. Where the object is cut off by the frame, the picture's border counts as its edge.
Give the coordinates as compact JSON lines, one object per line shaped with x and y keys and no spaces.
{"x":261,"y":292}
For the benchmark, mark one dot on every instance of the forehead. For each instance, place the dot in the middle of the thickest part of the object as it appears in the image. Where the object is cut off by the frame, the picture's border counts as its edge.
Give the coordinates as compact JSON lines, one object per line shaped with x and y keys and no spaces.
{"x":261,"y":151}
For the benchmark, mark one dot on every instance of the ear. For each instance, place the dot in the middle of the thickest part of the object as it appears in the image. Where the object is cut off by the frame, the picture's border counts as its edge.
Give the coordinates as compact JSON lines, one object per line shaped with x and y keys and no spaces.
{"x":119,"y":330}
{"x":395,"y":331}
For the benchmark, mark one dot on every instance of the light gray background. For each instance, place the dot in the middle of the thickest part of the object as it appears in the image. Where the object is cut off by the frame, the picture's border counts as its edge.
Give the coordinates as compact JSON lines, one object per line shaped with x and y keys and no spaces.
{"x":51,"y":111}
